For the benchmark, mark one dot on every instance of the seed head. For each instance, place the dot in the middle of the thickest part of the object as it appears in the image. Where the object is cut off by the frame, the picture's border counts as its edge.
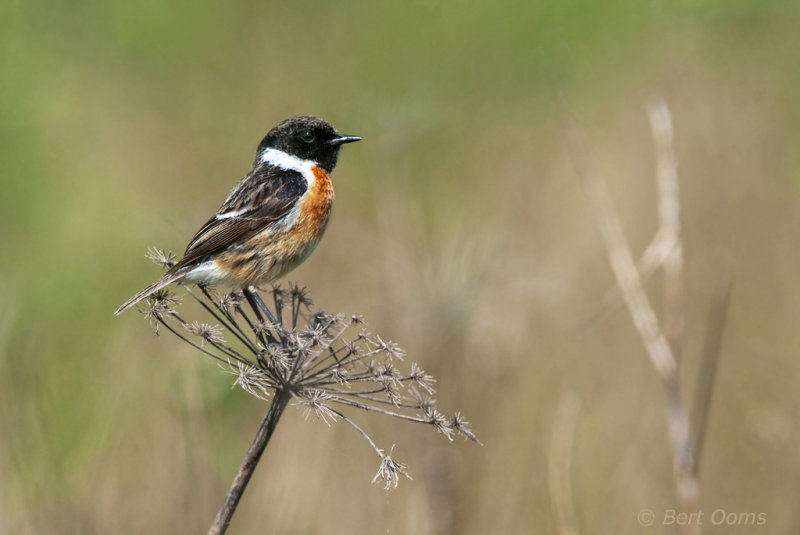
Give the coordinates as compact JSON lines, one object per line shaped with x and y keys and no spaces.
{"x":229,"y":301}
{"x":161,"y":257}
{"x":159,"y":305}
{"x":319,"y":358}
{"x":464,"y":428}
{"x":390,"y":471}
{"x":316,"y":401}
{"x":278,"y":360}
{"x":439,"y":422}
{"x":208,"y":333}
{"x":421,"y":378}
{"x":251,"y":379}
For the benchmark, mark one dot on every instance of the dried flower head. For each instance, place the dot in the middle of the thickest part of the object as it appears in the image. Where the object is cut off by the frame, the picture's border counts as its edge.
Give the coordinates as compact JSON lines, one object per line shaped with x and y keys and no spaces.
{"x":229,"y":301}
{"x":464,"y":428}
{"x":251,"y":379}
{"x":390,"y":471}
{"x":160,"y":304}
{"x":439,"y":421}
{"x":326,"y":362}
{"x":211,"y":334}
{"x":278,"y":361}
{"x":316,"y":401}
{"x":161,"y":257}
{"x":422,"y":379}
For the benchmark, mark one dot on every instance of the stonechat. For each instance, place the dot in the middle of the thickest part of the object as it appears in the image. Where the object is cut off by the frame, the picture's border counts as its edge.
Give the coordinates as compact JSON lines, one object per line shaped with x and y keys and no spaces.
{"x":272,"y":219}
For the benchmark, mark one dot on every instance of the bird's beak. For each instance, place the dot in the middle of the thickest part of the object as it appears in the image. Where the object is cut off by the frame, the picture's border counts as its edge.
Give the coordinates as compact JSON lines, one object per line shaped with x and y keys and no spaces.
{"x":341,"y":140}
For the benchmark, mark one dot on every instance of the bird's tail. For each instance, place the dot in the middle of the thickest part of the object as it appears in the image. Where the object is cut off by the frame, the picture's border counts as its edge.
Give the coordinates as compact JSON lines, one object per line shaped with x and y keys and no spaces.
{"x":160,"y":283}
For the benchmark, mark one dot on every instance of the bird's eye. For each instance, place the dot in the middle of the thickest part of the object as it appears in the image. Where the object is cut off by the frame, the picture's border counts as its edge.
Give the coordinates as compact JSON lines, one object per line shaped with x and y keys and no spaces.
{"x":308,"y":136}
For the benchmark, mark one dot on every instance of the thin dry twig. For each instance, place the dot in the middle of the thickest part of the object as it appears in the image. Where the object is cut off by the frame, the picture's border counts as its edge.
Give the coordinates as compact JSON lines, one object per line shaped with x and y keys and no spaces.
{"x":644,"y":318}
{"x":669,"y":225}
{"x":665,"y":250}
{"x":663,"y":343}
{"x":248,"y":466}
{"x":653,"y":257}
{"x":709,"y":361}
{"x":674,"y":304}
{"x":560,"y":464}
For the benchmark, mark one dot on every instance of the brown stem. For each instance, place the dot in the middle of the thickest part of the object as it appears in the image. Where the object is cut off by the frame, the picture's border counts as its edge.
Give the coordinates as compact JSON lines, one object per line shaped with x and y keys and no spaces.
{"x":248,"y":466}
{"x":709,"y":360}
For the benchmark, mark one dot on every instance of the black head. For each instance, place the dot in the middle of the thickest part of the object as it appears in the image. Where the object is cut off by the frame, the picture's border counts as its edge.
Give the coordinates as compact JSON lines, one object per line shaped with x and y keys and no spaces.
{"x":308,"y":138}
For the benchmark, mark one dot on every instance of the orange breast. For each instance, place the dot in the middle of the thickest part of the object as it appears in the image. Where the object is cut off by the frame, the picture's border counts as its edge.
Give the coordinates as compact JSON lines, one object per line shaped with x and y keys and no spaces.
{"x":316,"y":204}
{"x":298,"y":241}
{"x":279,"y":249}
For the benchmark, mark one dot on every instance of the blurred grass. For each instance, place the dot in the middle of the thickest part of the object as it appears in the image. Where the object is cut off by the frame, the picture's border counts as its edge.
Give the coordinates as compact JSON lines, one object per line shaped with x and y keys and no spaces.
{"x":460,"y":231}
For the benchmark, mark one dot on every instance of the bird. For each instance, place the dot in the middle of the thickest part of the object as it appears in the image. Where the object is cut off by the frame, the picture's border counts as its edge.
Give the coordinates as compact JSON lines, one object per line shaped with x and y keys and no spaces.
{"x":273,"y":219}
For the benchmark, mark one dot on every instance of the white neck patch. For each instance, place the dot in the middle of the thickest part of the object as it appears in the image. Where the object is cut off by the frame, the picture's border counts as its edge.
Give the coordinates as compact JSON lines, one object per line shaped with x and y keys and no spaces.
{"x":278,"y":158}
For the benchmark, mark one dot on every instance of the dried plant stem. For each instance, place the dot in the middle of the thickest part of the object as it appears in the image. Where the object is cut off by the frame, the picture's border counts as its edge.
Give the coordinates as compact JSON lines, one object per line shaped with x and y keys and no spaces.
{"x":560,"y":464}
{"x":685,"y":458}
{"x":704,"y":384}
{"x":248,"y":466}
{"x":316,"y":358}
{"x":653,"y":258}
{"x":629,"y":281}
{"x":663,"y":342}
{"x":669,"y":225}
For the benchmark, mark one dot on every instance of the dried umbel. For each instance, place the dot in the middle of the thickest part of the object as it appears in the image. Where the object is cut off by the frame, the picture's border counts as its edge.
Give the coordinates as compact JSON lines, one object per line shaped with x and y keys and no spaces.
{"x":325,"y":363}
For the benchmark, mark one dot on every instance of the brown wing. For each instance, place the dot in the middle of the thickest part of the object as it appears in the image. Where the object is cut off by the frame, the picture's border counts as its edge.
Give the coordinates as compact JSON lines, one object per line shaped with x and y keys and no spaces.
{"x":262,"y":197}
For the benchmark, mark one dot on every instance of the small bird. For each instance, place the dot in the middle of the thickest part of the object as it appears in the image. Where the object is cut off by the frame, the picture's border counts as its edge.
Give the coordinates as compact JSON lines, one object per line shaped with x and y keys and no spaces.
{"x":272,"y":219}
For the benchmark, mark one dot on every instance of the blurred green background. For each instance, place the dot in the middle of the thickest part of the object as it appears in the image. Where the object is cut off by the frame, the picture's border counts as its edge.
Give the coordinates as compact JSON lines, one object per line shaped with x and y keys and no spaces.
{"x":461,"y":231}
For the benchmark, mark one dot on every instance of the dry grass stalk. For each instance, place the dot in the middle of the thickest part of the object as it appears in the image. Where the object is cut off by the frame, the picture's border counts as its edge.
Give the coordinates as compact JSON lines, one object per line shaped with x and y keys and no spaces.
{"x":709,"y":360}
{"x":560,"y":464}
{"x":664,"y":342}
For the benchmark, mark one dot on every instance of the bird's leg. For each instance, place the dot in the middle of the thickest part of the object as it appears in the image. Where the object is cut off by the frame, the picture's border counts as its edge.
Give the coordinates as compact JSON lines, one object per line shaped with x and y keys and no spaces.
{"x":255,"y":301}
{"x":252,"y":293}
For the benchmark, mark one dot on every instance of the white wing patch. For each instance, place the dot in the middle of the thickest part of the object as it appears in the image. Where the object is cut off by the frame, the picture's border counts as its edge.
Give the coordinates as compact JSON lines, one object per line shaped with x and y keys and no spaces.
{"x":235,"y":213}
